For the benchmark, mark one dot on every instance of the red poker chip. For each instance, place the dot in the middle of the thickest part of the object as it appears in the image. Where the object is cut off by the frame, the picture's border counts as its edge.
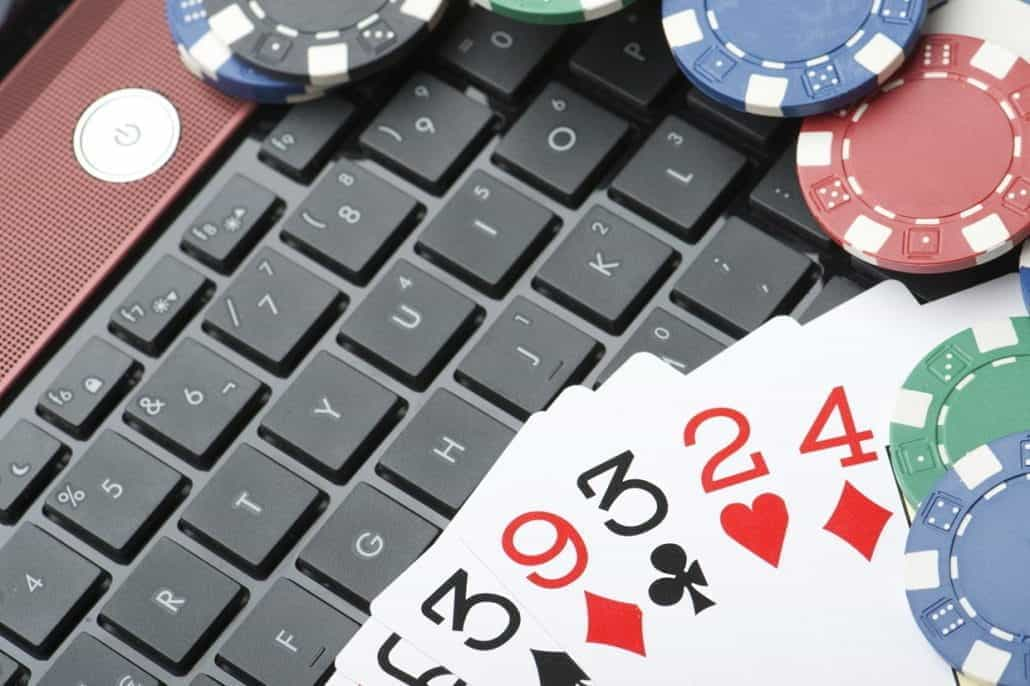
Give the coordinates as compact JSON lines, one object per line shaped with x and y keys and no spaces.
{"x":931,"y":174}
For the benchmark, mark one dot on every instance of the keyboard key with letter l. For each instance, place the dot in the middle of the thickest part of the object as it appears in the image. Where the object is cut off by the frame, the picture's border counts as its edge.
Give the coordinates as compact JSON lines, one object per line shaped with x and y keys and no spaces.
{"x":160,"y":306}
{"x":88,"y":661}
{"x":195,"y":403}
{"x":88,"y":388}
{"x":742,"y":278}
{"x":605,"y":270}
{"x":680,"y":345}
{"x":443,"y":454}
{"x":526,"y":358}
{"x":410,"y":324}
{"x":291,"y":637}
{"x":561,"y":144}
{"x":225,"y":231}
{"x":273,"y":312}
{"x":486,"y":234}
{"x":628,"y":57}
{"x":115,"y":496}
{"x":172,"y":606}
{"x":427,"y":132}
{"x":29,"y":459}
{"x":679,"y":179}
{"x":306,"y":136}
{"x":496,"y":53}
{"x":252,"y":511}
{"x":365,"y":545}
{"x":331,"y":418}
{"x":351,"y":221}
{"x":47,"y":589}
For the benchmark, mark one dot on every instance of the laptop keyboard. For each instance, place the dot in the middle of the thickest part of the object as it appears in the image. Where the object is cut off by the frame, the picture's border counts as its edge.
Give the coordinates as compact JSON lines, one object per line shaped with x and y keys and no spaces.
{"x":282,"y":401}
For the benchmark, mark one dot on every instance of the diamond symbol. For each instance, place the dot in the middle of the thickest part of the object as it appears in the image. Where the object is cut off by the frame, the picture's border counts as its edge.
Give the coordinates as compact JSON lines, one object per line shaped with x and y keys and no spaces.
{"x":613,"y":623}
{"x":858,"y":521}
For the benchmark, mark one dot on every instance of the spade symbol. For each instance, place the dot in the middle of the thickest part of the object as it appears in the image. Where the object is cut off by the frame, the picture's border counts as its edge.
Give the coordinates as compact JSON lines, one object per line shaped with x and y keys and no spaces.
{"x":558,"y":669}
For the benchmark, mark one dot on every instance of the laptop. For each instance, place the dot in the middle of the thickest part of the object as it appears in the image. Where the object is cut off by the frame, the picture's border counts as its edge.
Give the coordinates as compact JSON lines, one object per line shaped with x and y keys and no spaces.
{"x":254,"y":358}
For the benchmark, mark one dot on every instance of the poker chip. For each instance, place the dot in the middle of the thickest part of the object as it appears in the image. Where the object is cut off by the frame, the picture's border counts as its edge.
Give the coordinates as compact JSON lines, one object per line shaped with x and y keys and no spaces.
{"x":322,"y":42}
{"x":966,"y":560}
{"x":779,"y":59}
{"x":931,"y":174}
{"x":967,"y":391}
{"x":209,"y":59}
{"x":554,"y":11}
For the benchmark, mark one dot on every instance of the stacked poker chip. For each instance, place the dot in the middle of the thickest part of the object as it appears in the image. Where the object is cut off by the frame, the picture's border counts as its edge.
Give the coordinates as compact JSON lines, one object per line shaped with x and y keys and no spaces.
{"x":276,"y":51}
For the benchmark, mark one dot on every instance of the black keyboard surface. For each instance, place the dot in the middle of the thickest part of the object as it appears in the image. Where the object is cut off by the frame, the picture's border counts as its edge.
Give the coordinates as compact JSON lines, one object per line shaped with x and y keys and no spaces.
{"x":280,"y":404}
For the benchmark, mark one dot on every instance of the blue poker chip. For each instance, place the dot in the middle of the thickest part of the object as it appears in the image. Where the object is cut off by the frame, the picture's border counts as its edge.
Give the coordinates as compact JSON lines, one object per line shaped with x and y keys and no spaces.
{"x":966,"y":563}
{"x":784,"y":58}
{"x":207,"y":57}
{"x":1024,"y":273}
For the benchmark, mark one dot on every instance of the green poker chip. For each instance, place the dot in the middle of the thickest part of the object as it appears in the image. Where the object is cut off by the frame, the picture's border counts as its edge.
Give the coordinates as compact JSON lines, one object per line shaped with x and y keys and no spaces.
{"x":970,"y":390}
{"x":554,"y":11}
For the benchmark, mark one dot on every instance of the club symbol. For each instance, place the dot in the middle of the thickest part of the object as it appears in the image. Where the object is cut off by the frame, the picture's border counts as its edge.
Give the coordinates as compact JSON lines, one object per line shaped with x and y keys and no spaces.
{"x":71,"y":497}
{"x":671,"y":559}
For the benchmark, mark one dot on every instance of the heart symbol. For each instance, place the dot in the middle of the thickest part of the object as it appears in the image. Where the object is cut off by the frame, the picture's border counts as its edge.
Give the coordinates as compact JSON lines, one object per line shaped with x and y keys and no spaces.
{"x":760,"y":528}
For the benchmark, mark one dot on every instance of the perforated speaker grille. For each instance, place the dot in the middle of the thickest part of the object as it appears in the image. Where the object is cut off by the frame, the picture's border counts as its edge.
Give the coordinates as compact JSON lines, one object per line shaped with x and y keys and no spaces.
{"x":61,"y":230}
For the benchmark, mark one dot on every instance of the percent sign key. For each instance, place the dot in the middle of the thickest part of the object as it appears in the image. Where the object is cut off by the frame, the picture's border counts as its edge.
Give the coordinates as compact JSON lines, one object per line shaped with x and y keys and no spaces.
{"x":71,"y":496}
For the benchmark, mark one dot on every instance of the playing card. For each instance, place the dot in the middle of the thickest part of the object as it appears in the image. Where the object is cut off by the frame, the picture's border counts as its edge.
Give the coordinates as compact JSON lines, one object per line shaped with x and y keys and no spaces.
{"x":376,"y":656}
{"x":448,"y":604}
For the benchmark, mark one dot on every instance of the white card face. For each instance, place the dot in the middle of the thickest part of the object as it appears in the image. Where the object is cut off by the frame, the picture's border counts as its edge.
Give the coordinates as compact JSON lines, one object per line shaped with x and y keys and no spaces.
{"x":376,"y":656}
{"x":1003,"y":22}
{"x":451,"y":606}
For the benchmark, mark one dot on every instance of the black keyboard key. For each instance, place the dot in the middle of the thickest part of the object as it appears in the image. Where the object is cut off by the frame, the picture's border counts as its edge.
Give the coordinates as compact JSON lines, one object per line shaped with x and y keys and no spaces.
{"x":252,"y":511}
{"x":29,"y":459}
{"x":741,"y":127}
{"x":628,"y":57}
{"x":307,"y":135}
{"x":172,"y":606}
{"x":365,"y":545}
{"x":778,"y":197}
{"x":225,"y":231}
{"x":836,"y":291}
{"x":496,"y":53}
{"x":273,"y":312}
{"x":160,"y":306}
{"x":487,"y":234}
{"x":88,"y":662}
{"x":410,"y":324}
{"x":115,"y":496}
{"x":11,"y":673}
{"x":88,"y":388}
{"x":679,"y":179}
{"x":526,"y":358}
{"x":605,"y":270}
{"x":680,"y":345}
{"x":562,"y":143}
{"x":351,"y":221}
{"x":742,"y":278}
{"x":291,"y":637}
{"x":443,"y":454}
{"x":195,"y":403}
{"x":427,"y":132}
{"x":47,"y":588}
{"x":331,"y":417}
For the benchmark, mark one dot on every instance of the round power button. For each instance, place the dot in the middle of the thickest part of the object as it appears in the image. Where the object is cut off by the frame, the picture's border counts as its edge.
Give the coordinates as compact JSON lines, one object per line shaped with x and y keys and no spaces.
{"x":126,"y":135}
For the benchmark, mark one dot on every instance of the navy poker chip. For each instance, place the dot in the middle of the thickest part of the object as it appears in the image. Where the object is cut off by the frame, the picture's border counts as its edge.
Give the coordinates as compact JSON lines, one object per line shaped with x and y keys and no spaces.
{"x":784,"y":58}
{"x":323,"y":42}
{"x":966,"y":563}
{"x":208,"y":58}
